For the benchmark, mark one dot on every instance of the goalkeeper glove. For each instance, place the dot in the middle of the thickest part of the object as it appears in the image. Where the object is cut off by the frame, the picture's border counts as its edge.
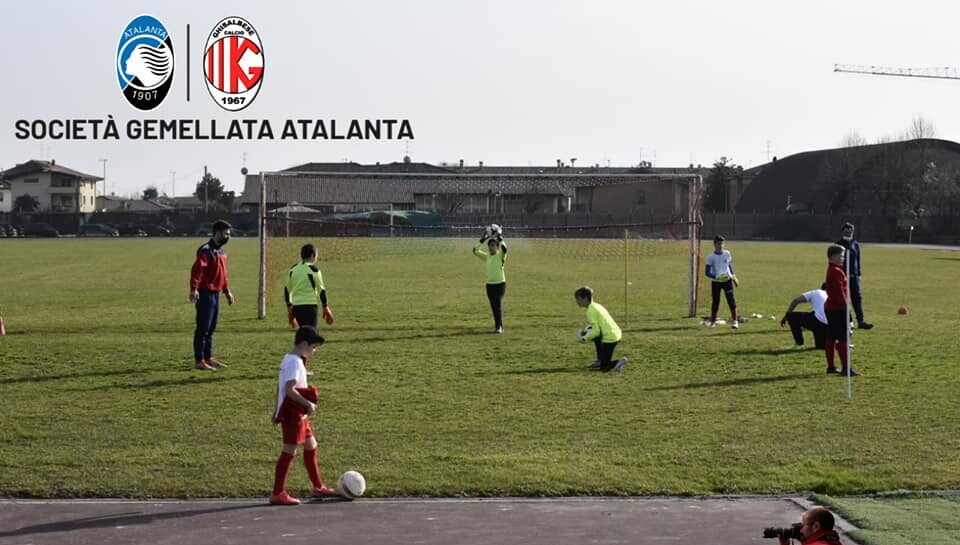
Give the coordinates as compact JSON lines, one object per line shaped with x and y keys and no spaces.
{"x":290,"y":319}
{"x":328,"y":315}
{"x":736,"y":282}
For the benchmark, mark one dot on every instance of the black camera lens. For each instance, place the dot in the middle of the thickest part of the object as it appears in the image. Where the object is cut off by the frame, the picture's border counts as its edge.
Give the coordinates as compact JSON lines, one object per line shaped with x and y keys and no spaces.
{"x":793,"y":532}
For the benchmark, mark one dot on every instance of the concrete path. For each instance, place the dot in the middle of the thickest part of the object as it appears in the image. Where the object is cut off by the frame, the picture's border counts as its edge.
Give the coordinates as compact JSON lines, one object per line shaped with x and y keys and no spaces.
{"x":551,"y":521}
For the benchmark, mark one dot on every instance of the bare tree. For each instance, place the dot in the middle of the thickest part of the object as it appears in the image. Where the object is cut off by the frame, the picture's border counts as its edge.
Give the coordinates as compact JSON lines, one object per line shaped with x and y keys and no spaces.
{"x":920,"y":128}
{"x":853,"y":139}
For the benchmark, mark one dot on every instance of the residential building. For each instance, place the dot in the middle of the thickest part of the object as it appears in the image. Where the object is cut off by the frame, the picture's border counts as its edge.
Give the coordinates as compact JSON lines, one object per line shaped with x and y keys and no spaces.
{"x":6,"y":198}
{"x":56,"y":187}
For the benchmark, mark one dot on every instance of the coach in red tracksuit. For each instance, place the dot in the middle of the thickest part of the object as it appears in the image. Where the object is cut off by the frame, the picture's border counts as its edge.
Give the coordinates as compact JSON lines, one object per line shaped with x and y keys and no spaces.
{"x":208,"y":279}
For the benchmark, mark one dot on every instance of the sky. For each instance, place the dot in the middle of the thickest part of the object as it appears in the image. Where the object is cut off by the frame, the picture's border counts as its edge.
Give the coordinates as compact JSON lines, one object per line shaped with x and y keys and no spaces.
{"x":503,"y":82}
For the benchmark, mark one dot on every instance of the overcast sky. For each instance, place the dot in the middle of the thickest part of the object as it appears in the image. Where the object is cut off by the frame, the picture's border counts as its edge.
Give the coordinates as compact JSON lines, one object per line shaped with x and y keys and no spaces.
{"x":503,"y":82}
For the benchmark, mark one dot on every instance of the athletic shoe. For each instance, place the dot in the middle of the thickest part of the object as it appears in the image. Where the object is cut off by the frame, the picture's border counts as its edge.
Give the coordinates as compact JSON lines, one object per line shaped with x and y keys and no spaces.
{"x":853,"y":372}
{"x":594,"y":365}
{"x":798,"y":347}
{"x":619,"y":365}
{"x":865,"y":325}
{"x":202,"y":365}
{"x":215,"y":363}
{"x":498,"y":330}
{"x":283,"y":499}
{"x":832,"y":371}
{"x":708,"y":323}
{"x":324,"y":492}
{"x":735,"y":324}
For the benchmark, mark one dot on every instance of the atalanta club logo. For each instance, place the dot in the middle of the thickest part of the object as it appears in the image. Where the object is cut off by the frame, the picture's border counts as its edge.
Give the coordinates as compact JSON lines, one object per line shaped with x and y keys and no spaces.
{"x":145,"y":62}
{"x":233,"y":63}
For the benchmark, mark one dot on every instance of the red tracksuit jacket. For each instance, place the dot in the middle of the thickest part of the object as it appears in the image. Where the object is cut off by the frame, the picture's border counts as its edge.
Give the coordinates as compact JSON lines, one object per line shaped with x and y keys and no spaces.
{"x":209,"y":271}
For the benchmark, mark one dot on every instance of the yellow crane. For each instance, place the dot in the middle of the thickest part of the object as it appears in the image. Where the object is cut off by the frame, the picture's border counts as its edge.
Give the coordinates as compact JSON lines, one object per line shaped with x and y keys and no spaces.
{"x":946,"y":72}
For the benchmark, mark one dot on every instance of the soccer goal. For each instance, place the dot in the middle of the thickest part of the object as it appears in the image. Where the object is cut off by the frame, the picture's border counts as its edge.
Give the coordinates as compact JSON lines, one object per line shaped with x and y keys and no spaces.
{"x":380,"y":220}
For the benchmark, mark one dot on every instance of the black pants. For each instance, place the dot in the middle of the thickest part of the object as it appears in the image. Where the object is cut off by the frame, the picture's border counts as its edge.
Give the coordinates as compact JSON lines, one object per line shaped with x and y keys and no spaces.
{"x":727,"y":288}
{"x":855,"y":298}
{"x":605,"y":354}
{"x":495,"y":293}
{"x":838,"y":328}
{"x":306,"y":315}
{"x":800,"y":320}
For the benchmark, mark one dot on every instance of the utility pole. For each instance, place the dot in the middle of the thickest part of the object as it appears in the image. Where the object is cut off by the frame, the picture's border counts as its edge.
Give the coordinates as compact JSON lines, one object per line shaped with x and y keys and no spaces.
{"x":104,"y":161}
{"x":173,"y":192}
{"x":206,"y":183}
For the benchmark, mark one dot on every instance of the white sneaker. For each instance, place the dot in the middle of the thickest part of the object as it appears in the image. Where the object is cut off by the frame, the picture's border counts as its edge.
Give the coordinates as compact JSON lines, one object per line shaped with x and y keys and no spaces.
{"x":735,"y":324}
{"x":708,"y":323}
{"x":619,"y":366}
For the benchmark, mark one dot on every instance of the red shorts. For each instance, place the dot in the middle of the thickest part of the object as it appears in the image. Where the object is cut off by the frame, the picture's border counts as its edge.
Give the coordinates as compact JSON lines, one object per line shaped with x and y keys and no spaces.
{"x":296,"y":431}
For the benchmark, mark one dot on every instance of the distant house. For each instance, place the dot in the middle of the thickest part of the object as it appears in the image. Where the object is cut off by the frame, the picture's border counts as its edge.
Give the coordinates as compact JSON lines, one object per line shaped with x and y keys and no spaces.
{"x":56,"y":187}
{"x":109,"y":203}
{"x":452,"y":190}
{"x":183,"y":204}
{"x":6,"y":198}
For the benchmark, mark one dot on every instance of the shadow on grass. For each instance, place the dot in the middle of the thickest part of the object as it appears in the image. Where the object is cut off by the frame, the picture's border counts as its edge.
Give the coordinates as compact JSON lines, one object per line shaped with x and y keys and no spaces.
{"x":772,"y":352}
{"x":741,"y":331}
{"x":48,"y":378}
{"x":472,"y":332}
{"x":205,"y":378}
{"x":537,"y":371}
{"x":688,"y":327}
{"x":732,"y":382}
{"x":119,"y":519}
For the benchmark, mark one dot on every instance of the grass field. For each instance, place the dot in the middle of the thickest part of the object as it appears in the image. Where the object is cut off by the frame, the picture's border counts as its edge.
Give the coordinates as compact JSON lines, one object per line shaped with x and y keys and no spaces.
{"x":912,"y":519}
{"x":98,"y":397}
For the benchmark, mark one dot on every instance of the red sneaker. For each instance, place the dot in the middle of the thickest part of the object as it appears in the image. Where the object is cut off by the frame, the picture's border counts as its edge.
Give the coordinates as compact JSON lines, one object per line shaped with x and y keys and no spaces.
{"x":324,"y":492}
{"x":202,"y":365}
{"x":215,"y":363}
{"x":283,"y":499}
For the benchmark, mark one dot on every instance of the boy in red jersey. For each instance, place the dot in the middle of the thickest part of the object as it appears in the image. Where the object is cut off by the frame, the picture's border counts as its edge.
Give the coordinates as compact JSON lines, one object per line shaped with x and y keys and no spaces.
{"x":295,"y":402}
{"x":838,"y":327}
{"x":208,"y":279}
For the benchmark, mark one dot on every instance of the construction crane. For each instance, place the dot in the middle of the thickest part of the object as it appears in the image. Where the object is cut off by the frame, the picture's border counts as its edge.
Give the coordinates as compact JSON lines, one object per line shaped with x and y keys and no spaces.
{"x":947,"y":72}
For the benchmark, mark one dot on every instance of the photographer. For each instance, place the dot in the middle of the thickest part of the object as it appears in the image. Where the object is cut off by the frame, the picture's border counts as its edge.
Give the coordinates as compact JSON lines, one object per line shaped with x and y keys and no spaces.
{"x":815,"y":528}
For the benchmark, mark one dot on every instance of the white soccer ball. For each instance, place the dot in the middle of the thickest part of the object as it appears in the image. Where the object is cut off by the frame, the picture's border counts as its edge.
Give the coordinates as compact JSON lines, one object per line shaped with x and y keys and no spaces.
{"x":351,"y":485}
{"x":494,"y":229}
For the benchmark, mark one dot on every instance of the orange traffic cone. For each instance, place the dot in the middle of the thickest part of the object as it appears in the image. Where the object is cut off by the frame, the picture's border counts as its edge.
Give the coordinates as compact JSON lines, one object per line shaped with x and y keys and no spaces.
{"x":3,"y":330}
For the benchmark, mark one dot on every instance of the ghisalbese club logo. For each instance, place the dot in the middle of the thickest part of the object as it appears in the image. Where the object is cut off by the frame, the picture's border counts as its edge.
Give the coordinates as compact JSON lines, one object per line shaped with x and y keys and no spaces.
{"x":145,"y":62}
{"x":233,"y":63}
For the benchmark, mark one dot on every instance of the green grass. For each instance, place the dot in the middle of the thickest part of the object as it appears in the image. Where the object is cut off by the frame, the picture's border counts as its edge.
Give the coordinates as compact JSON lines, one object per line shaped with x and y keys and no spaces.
{"x":902,"y":520}
{"x":98,"y":398}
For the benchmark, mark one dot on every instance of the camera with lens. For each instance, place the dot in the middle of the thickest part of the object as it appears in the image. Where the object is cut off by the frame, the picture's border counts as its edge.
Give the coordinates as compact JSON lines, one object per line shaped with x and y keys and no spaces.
{"x":793,"y":532}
